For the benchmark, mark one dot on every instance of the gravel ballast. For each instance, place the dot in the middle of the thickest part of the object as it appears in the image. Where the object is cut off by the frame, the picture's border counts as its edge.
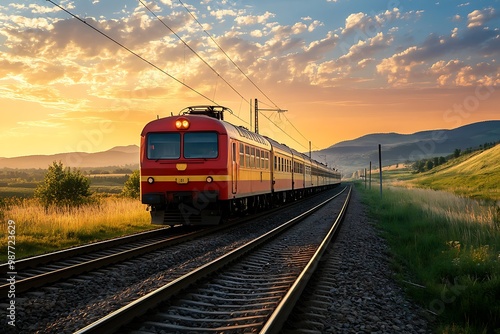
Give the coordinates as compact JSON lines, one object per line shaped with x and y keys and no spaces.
{"x":353,"y":291}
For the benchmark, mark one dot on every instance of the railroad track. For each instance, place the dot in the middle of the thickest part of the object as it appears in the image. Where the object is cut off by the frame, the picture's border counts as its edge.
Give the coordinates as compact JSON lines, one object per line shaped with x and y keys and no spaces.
{"x":45,"y":269}
{"x":254,"y":294}
{"x":38,"y":271}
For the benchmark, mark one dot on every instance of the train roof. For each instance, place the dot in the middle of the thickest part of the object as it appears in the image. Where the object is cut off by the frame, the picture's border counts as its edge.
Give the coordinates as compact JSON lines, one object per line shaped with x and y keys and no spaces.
{"x":233,"y":131}
{"x":214,"y":115}
{"x":245,"y":135}
{"x":281,"y":147}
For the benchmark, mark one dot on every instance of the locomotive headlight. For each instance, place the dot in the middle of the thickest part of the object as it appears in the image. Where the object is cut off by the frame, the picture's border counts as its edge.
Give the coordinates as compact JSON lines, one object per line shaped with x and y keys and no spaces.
{"x":182,"y":124}
{"x":210,"y":179}
{"x":151,"y":180}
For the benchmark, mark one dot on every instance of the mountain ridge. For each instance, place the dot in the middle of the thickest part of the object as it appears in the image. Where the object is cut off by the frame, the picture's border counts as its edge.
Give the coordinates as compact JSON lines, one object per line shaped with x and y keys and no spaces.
{"x":356,"y":154}
{"x":348,"y":156}
{"x":118,"y":156}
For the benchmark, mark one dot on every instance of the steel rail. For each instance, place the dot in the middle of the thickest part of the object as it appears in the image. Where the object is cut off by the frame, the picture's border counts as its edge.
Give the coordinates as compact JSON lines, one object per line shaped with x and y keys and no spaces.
{"x":113,"y":321}
{"x":285,"y":307}
{"x":52,"y":276}
{"x":37,"y":260}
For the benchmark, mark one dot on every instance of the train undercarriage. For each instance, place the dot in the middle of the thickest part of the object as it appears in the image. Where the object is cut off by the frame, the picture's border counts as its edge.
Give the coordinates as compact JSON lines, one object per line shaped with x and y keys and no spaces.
{"x":204,"y":208}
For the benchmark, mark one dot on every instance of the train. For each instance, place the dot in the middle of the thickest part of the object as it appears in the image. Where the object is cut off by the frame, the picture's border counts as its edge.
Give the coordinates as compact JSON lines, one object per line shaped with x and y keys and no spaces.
{"x":198,"y":169}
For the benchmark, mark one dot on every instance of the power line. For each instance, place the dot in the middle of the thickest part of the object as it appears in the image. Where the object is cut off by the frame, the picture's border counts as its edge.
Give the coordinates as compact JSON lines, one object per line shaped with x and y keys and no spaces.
{"x":132,"y":52}
{"x":246,"y":76}
{"x":295,"y":127}
{"x":190,"y":48}
{"x":224,"y":52}
{"x":295,"y":140}
{"x":174,"y":78}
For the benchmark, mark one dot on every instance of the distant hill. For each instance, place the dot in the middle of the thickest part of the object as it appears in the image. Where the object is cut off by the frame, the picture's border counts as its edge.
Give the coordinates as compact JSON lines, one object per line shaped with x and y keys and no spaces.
{"x":352,"y":155}
{"x":348,"y":156}
{"x":476,"y":176}
{"x":117,"y":156}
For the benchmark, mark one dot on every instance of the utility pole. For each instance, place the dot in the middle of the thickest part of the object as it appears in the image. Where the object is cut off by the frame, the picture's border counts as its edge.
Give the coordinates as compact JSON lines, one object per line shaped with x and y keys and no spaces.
{"x":370,"y":183}
{"x":380,"y":166}
{"x":257,"y":114}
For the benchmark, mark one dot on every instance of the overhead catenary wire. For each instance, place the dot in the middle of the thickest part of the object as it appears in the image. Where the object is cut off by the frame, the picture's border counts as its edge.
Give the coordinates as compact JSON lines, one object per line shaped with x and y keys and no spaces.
{"x":190,"y":48}
{"x":227,"y":56}
{"x":246,"y":76}
{"x":131,"y":51}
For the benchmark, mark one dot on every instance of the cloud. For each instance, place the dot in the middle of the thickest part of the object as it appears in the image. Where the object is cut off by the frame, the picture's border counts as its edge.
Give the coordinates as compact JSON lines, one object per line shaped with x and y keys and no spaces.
{"x":478,"y":18}
{"x":41,"y":124}
{"x":220,"y":14}
{"x":365,"y":49}
{"x":409,"y":65}
{"x":363,"y":24}
{"x":457,"y":73}
{"x":245,"y":20}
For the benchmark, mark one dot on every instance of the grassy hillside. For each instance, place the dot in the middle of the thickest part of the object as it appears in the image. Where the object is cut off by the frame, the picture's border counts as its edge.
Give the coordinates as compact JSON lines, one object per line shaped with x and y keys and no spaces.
{"x":449,"y":246}
{"x":476,"y":175}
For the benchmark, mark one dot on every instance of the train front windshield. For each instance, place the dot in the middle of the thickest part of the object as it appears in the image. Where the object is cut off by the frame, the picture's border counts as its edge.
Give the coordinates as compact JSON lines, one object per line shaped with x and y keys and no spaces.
{"x":201,"y":145}
{"x":164,"y":146}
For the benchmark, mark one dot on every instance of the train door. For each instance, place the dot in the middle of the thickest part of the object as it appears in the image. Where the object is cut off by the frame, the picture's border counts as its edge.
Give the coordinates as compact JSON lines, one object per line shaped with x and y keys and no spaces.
{"x":234,"y":167}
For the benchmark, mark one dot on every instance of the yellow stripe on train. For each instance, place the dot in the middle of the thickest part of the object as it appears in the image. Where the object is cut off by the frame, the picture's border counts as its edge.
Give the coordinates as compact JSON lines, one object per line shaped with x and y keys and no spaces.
{"x":184,"y":178}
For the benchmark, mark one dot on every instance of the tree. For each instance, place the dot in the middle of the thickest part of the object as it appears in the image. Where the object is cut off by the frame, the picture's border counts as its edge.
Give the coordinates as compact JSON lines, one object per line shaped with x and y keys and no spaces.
{"x":421,"y":166}
{"x":132,"y":185}
{"x":62,"y":187}
{"x":456,"y":153}
{"x":429,"y":165}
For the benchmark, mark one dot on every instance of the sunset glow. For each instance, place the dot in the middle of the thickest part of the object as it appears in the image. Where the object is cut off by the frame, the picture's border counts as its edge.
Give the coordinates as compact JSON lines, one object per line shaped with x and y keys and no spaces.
{"x":341,"y":69}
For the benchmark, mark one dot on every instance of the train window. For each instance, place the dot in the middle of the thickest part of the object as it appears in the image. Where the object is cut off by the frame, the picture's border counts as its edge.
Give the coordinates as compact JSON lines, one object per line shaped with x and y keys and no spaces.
{"x":252,"y":157}
{"x":267,"y":160}
{"x":200,"y":145}
{"x":242,"y":155}
{"x":247,"y":156}
{"x":164,"y":146}
{"x":257,"y":158}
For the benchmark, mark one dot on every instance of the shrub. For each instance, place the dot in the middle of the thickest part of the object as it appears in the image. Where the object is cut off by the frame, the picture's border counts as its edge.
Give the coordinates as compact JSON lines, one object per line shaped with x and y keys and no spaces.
{"x":63,"y":187}
{"x":132,"y":185}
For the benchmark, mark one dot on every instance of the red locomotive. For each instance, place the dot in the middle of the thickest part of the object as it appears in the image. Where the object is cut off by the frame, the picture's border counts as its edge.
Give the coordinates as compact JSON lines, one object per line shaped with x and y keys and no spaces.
{"x":197,"y":168}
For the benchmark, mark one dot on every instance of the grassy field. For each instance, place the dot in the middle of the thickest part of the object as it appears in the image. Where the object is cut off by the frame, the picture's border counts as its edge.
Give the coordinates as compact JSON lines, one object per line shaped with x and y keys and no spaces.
{"x":474,"y":175}
{"x":450,"y":246}
{"x":443,"y":229}
{"x":39,"y":231}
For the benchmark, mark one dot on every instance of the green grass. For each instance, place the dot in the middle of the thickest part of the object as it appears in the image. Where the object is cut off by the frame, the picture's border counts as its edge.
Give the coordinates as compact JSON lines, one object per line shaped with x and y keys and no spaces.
{"x":475,"y":175}
{"x":40,"y":231}
{"x":11,"y":191}
{"x":448,"y":244}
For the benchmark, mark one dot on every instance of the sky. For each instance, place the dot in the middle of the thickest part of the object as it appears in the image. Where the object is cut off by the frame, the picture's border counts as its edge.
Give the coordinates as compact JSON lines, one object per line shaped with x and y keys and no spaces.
{"x":88,"y":75}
